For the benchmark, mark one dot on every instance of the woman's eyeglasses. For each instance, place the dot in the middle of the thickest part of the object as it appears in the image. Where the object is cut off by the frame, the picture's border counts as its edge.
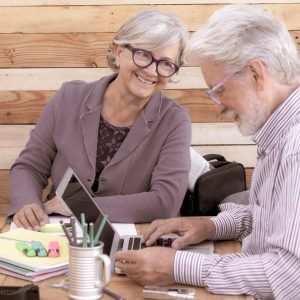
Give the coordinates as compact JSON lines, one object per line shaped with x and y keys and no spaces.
{"x":144,"y":59}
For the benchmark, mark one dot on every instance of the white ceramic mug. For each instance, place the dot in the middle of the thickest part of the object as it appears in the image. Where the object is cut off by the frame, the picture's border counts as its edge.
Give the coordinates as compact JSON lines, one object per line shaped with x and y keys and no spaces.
{"x":89,"y":272}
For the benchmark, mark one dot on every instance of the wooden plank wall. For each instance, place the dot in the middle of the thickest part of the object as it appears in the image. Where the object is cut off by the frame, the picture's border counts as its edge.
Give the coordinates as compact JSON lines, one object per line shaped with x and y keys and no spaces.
{"x":46,"y":42}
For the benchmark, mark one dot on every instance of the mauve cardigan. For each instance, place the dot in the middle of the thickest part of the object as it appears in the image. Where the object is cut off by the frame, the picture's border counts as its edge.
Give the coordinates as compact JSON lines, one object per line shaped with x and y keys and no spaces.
{"x":146,"y":179}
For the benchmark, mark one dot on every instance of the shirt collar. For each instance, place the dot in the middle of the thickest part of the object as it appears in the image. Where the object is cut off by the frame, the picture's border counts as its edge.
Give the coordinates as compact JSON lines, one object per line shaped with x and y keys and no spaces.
{"x":280,"y":120}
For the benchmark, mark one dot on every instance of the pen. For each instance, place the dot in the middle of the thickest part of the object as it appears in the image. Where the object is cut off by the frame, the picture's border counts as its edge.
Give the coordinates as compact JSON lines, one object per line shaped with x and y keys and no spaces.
{"x":74,"y":237}
{"x":112,"y":295}
{"x":64,"y":227}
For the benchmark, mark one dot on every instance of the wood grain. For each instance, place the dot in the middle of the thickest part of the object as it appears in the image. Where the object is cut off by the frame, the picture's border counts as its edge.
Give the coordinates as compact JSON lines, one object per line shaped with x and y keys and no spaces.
{"x":130,"y":2}
{"x":54,"y":50}
{"x":245,"y":154}
{"x":4,"y":199}
{"x":25,"y":107}
{"x":60,"y":50}
{"x":52,"y":78}
{"x":101,"y":18}
{"x":44,"y":43}
{"x":202,"y":134}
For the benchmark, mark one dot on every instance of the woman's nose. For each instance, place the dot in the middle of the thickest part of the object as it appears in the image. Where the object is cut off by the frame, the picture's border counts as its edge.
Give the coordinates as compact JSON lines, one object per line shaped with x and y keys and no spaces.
{"x":152,"y":69}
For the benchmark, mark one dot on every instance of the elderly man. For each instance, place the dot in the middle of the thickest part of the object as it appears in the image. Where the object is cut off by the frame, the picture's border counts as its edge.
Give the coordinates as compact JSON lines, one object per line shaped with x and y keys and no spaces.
{"x":251,"y":65}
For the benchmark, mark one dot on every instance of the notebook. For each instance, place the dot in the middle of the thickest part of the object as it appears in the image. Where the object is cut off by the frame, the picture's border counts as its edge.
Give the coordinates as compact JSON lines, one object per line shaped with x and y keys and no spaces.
{"x":29,"y":275}
{"x":10,"y":254}
{"x":78,"y":200}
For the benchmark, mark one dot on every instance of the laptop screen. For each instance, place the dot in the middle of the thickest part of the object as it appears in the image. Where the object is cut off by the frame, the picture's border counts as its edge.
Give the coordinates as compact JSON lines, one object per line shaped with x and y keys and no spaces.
{"x":80,"y":201}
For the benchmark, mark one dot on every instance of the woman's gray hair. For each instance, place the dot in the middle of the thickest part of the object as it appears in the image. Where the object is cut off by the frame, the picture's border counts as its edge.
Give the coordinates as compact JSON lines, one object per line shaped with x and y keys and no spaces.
{"x":154,"y":28}
{"x":238,"y":33}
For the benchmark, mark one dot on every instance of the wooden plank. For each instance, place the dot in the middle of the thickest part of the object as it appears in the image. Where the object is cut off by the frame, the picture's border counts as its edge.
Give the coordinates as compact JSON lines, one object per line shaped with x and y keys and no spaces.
{"x":126,"y":2}
{"x":4,"y":194}
{"x":4,"y":207}
{"x":54,"y":50}
{"x":245,"y":154}
{"x":3,"y":188}
{"x":24,"y":107}
{"x":249,"y":172}
{"x":8,"y":156}
{"x":4,"y":199}
{"x":60,"y":50}
{"x":218,"y":134}
{"x":296,"y":36}
{"x":2,"y":224}
{"x":52,"y":78}
{"x":203,"y":134}
{"x":12,"y":136}
{"x":99,"y":18}
{"x":3,"y":179}
{"x":130,"y":2}
{"x":242,"y":153}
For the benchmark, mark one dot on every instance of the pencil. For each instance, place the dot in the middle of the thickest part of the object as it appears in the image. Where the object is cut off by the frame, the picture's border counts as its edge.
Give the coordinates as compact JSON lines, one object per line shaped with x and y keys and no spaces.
{"x":82,"y":216}
{"x":91,"y":235}
{"x":84,"y":239}
{"x":101,"y":226}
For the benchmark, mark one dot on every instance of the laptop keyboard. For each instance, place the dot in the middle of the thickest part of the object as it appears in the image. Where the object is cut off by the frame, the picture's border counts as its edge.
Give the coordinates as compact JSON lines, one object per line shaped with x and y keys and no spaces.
{"x":135,"y":243}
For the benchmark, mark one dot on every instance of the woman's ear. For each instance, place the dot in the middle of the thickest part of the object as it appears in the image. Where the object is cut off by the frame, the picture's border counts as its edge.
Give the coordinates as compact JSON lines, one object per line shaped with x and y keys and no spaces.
{"x":258,"y":72}
{"x":117,"y":50}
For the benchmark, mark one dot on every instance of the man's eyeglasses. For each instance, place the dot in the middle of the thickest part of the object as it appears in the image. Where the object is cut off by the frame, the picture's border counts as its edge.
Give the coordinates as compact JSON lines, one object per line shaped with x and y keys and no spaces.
{"x":214,"y":92}
{"x":144,"y":59}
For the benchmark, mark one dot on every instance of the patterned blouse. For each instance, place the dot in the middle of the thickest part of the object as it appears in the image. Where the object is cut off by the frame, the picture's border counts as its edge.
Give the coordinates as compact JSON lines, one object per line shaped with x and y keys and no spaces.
{"x":110,"y":138}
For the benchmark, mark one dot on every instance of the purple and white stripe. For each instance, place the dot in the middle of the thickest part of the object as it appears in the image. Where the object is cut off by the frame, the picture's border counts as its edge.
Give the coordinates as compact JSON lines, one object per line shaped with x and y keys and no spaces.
{"x":269,"y":265}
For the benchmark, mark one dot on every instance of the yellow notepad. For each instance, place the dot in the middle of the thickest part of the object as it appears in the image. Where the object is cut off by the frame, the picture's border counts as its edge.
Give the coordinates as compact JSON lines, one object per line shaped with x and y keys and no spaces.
{"x":10,"y":253}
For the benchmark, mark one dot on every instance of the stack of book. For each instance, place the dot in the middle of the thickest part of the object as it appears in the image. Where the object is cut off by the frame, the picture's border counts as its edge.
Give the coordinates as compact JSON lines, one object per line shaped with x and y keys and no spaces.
{"x":16,"y":263}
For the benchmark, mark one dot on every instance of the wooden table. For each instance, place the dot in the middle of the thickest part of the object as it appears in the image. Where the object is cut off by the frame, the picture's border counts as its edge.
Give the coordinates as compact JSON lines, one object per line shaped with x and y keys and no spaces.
{"x":120,"y":284}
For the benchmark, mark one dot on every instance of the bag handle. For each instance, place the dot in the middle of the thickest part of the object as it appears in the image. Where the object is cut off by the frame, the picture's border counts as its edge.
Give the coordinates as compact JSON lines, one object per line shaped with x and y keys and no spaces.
{"x":217,"y":157}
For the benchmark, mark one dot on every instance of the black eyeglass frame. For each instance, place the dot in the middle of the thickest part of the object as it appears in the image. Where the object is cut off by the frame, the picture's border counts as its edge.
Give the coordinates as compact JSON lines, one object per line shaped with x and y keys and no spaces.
{"x":157,"y":61}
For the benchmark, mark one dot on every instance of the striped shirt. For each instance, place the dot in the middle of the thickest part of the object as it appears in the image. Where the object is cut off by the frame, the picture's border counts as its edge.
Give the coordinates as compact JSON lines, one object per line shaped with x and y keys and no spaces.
{"x":268,"y":266}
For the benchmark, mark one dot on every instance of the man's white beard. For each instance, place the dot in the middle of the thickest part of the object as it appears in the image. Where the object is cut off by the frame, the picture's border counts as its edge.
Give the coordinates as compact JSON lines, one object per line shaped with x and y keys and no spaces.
{"x":255,"y":117}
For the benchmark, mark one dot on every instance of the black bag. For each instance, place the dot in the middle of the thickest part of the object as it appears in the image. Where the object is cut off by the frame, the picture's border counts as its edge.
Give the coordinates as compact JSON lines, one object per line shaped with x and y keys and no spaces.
{"x":213,"y":186}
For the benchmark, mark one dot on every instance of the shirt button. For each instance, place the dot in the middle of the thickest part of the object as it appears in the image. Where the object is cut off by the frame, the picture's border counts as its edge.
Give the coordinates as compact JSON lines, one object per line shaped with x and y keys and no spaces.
{"x":102,"y":179}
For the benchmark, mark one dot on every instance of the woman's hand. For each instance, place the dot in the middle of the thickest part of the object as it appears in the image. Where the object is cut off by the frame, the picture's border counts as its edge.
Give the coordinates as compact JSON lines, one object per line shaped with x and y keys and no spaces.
{"x":191,"y":231}
{"x":31,"y":217}
{"x":55,"y":205}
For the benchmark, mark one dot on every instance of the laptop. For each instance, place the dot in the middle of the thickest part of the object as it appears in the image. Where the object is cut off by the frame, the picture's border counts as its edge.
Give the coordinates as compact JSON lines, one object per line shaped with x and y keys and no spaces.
{"x":77,"y":200}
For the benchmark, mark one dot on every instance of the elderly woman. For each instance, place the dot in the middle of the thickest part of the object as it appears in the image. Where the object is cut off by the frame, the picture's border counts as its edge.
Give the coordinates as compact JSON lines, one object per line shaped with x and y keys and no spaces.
{"x":127,"y":142}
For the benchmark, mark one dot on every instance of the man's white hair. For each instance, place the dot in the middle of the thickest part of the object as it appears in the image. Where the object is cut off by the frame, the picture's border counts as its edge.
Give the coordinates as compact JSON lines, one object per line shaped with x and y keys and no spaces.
{"x":238,"y":33}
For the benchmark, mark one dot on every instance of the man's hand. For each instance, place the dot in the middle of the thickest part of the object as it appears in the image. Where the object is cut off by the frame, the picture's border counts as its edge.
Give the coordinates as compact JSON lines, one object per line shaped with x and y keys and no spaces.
{"x":55,"y":205}
{"x":149,"y":266}
{"x":31,"y":216}
{"x":191,"y":231}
